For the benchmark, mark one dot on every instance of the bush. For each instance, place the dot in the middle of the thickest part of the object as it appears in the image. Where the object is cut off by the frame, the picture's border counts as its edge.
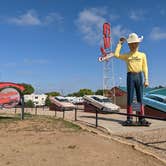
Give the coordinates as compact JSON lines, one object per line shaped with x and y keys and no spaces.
{"x":29,"y":104}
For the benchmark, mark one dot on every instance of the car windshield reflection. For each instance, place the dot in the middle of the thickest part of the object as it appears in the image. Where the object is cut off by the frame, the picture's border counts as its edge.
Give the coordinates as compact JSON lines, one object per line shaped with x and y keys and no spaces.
{"x":104,"y":100}
{"x":61,"y":100}
{"x":156,"y":98}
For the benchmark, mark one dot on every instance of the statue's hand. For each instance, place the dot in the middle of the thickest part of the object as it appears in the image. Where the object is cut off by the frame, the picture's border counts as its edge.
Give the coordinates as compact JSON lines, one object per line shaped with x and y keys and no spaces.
{"x":122,"y":40}
{"x":146,"y":84}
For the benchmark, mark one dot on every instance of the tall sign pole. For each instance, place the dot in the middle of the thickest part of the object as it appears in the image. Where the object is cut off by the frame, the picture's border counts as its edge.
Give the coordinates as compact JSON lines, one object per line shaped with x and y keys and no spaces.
{"x":108,"y":73}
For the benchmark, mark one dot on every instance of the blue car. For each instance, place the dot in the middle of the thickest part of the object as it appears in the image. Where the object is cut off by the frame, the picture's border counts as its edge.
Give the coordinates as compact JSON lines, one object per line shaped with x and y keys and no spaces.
{"x":156,"y":101}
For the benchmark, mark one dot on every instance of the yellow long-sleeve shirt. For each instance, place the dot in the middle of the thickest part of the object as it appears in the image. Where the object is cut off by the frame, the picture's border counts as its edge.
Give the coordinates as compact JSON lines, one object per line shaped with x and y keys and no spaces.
{"x":136,"y":62}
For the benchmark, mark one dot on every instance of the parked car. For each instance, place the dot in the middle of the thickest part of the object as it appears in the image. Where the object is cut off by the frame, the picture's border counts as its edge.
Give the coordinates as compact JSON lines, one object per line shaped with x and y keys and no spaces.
{"x":75,"y":100}
{"x":156,"y":101}
{"x":61,"y":102}
{"x":101,"y":102}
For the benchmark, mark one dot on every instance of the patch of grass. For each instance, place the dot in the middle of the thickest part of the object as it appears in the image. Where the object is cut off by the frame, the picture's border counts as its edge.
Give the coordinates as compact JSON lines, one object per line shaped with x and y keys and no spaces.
{"x":71,"y":125}
{"x":60,"y":123}
{"x":26,"y":115}
{"x":40,"y":123}
{"x":13,"y":117}
{"x":8,"y":119}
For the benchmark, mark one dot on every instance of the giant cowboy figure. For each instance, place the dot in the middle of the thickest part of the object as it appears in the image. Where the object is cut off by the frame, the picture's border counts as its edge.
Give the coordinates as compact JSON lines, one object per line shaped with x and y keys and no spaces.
{"x":136,"y":65}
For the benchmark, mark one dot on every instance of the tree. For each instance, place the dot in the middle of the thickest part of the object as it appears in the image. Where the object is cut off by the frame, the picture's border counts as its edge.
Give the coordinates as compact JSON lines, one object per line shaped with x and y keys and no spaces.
{"x":53,"y":93}
{"x":99,"y":92}
{"x":82,"y":92}
{"x":102,"y":92}
{"x":48,"y":102}
{"x":29,"y":104}
{"x":74,"y":94}
{"x":29,"y":89}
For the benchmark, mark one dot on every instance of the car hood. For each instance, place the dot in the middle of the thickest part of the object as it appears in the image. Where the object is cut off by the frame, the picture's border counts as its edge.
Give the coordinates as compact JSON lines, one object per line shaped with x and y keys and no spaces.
{"x":67,"y":104}
{"x":110,"y":105}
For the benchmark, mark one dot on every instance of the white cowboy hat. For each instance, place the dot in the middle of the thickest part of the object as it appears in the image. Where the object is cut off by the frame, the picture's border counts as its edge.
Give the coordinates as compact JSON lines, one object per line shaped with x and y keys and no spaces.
{"x":133,"y":38}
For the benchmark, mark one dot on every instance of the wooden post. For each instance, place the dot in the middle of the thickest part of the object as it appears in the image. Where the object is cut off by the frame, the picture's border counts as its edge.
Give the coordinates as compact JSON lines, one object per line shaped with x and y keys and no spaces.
{"x":75,"y":114}
{"x":15,"y":110}
{"x":63,"y":113}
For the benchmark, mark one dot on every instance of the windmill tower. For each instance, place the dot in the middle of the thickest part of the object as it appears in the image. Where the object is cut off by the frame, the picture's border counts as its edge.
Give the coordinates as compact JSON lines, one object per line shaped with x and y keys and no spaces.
{"x":108,"y":70}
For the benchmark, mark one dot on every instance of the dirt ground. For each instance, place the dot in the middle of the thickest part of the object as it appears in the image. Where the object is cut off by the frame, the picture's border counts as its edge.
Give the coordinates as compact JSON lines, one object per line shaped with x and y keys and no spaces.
{"x":46,"y":141}
{"x":152,"y":141}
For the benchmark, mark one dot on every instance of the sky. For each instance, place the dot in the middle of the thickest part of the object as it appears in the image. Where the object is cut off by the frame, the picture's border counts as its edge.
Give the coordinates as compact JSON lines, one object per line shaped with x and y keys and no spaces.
{"x":55,"y":44}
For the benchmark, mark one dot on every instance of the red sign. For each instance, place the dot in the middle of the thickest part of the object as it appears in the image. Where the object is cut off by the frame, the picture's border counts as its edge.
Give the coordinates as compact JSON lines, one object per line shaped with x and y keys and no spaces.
{"x":10,"y":94}
{"x":9,"y":97}
{"x":106,"y":35}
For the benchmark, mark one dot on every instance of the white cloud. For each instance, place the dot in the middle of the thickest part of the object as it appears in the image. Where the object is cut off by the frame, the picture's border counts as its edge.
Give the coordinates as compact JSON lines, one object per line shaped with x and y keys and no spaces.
{"x":119,"y":31}
{"x":90,"y":22}
{"x":53,"y":17}
{"x":31,"y":18}
{"x":113,"y":17}
{"x":157,"y":34}
{"x":137,"y":15}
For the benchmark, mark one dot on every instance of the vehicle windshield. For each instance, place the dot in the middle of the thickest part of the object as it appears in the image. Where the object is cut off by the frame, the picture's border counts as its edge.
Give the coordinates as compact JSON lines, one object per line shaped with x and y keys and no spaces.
{"x":105,"y":100}
{"x":61,"y":99}
{"x":156,"y":98}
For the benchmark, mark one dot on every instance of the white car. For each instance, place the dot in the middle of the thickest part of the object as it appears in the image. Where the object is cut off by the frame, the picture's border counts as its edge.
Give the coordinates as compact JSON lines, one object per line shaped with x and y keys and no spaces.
{"x":75,"y":100}
{"x":101,"y":102}
{"x":61,"y":102}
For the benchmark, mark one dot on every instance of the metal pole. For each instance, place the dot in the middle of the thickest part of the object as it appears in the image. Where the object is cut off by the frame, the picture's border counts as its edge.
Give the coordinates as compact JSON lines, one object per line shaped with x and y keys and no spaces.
{"x":75,"y":114}
{"x":63,"y":113}
{"x":22,"y":107}
{"x":96,"y":118}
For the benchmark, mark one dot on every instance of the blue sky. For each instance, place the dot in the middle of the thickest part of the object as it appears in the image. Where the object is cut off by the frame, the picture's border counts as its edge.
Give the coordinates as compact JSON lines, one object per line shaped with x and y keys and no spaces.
{"x":54,"y":44}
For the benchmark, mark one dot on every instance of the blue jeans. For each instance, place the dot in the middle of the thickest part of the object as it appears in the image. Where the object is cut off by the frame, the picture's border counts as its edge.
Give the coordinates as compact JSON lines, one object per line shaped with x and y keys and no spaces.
{"x":134,"y":81}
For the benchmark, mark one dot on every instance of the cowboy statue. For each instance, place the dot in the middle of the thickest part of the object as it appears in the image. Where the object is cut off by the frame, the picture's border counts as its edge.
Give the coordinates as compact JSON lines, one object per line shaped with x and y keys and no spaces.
{"x":136,"y":65}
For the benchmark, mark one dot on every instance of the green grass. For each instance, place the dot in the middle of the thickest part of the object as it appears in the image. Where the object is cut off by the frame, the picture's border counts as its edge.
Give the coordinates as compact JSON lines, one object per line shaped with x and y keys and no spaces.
{"x":8,"y":119}
{"x":71,"y":125}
